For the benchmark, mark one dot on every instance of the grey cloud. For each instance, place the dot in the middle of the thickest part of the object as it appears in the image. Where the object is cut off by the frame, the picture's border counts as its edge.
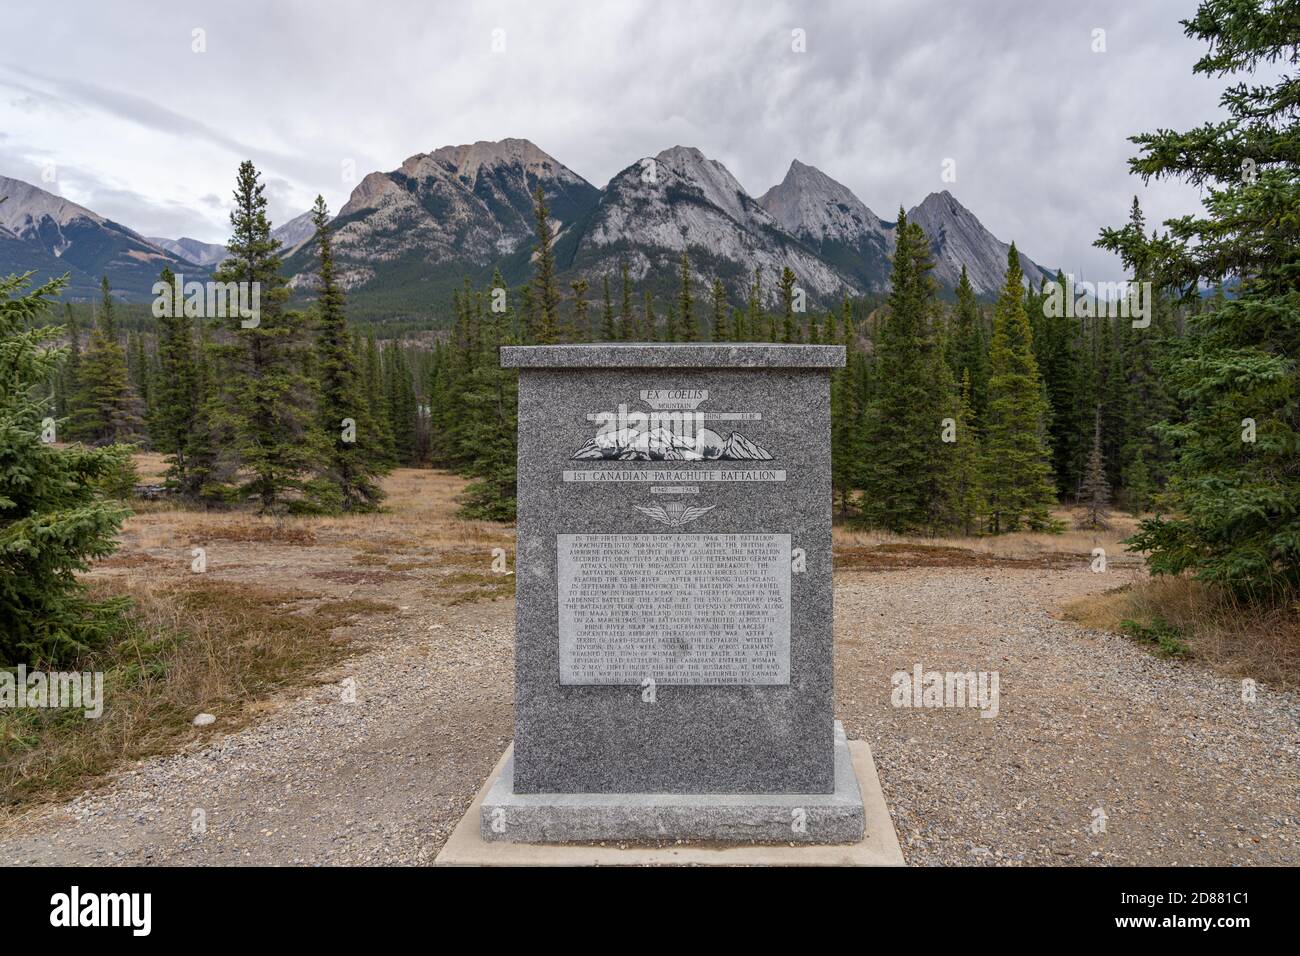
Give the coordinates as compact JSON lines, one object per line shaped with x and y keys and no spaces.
{"x":885,"y":92}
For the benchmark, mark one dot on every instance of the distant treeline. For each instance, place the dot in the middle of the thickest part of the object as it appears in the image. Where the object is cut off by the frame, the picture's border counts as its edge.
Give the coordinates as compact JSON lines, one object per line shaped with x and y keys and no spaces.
{"x":950,"y":416}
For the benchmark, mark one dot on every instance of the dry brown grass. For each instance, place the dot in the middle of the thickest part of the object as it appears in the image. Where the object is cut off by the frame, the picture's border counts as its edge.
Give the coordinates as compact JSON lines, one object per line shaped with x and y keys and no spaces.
{"x":872,"y":550}
{"x":1235,"y":639}
{"x":1022,"y":545}
{"x":201,"y":646}
{"x":151,"y":467}
{"x":227,"y":646}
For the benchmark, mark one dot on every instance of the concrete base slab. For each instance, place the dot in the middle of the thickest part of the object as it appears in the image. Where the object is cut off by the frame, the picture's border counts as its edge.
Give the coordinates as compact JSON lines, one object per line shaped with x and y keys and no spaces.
{"x":878,"y":845}
{"x":834,"y":817}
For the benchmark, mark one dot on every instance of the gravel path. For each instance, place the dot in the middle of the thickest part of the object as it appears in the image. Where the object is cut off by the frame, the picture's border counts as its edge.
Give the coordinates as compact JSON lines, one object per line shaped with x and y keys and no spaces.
{"x":1183,"y":770}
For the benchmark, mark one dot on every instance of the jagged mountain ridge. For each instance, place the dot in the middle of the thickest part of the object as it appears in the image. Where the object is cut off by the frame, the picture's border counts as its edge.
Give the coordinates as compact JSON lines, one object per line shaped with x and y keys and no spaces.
{"x":407,"y":236}
{"x":828,"y":217}
{"x":457,"y":207}
{"x":51,"y":235}
{"x":467,"y":209}
{"x":679,"y":199}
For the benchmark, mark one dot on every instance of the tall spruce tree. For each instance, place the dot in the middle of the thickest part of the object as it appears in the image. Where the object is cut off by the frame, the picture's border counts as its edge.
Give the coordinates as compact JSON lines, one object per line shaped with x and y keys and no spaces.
{"x":265,"y":401}
{"x":402,"y":405}
{"x":690,"y":329}
{"x":53,"y":522}
{"x":969,"y":345}
{"x":1234,"y":491}
{"x":178,"y":424}
{"x":547,"y":293}
{"x":906,"y":462}
{"x":1017,"y":466}
{"x":489,"y":399}
{"x":353,"y":462}
{"x":755,"y":322}
{"x":847,"y":439}
{"x":649,"y":323}
{"x":967,"y":485}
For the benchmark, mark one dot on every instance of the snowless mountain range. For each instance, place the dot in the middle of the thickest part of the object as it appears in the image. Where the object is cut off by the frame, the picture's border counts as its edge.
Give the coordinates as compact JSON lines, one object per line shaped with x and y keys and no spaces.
{"x":406,"y":234}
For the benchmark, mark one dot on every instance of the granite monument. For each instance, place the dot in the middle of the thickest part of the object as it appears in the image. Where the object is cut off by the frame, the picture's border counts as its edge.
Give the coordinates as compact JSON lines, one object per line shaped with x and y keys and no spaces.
{"x":673,"y":669}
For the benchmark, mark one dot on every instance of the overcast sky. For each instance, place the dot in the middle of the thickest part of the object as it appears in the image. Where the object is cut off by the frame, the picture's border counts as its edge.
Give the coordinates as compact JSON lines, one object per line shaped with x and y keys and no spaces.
{"x":141,"y":128}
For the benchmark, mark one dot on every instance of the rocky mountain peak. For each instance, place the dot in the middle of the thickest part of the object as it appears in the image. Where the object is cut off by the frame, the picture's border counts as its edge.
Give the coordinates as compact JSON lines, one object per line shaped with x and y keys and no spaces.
{"x":812,"y":205}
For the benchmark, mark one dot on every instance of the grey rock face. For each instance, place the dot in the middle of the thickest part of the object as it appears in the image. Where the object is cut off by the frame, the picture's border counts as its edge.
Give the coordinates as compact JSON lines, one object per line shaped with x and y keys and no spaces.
{"x":459,"y":204}
{"x":826,"y":216}
{"x":680,"y":199}
{"x":53,"y":235}
{"x":192,"y":250}
{"x":958,"y":238}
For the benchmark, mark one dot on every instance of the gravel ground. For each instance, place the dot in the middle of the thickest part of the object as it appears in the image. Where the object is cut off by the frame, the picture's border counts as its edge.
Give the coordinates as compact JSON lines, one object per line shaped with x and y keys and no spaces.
{"x":317,"y":780}
{"x":1184,"y":771}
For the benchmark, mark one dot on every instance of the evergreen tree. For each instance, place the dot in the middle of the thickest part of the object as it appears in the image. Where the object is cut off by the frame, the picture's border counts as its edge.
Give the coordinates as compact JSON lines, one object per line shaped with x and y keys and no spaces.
{"x":175,"y":426}
{"x":1234,"y":491}
{"x":1058,"y":348}
{"x":1017,"y":466}
{"x":649,"y":324}
{"x":53,"y":523}
{"x":1095,"y":492}
{"x":967,"y":483}
{"x":906,"y":467}
{"x":627,"y":321}
{"x":581,"y":323}
{"x":264,"y":405}
{"x":548,"y":295}
{"x":352,"y":465}
{"x":490,"y":401}
{"x":608,"y":330}
{"x":528,"y":316}
{"x":203,"y":457}
{"x":672,"y":332}
{"x":402,"y":405}
{"x":70,"y":371}
{"x":970,"y":356}
{"x":690,"y":329}
{"x":786,"y":287}
{"x":376,"y":400}
{"x":754,"y":320}
{"x":719,"y":331}
{"x":137,"y":368}
{"x":847,"y":444}
{"x":104,"y":410}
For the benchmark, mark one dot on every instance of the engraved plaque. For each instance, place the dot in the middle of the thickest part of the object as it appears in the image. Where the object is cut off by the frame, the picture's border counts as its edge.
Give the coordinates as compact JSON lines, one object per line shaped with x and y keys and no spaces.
{"x":687,"y":609}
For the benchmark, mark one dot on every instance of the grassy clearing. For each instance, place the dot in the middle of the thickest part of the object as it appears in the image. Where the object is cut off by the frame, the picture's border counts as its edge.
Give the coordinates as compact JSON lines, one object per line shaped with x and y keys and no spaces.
{"x":204,"y":646}
{"x":224,"y":643}
{"x":1180,"y":617}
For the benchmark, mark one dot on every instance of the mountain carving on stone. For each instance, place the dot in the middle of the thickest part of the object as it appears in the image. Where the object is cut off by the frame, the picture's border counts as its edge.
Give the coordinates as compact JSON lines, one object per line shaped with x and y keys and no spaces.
{"x":661,"y":444}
